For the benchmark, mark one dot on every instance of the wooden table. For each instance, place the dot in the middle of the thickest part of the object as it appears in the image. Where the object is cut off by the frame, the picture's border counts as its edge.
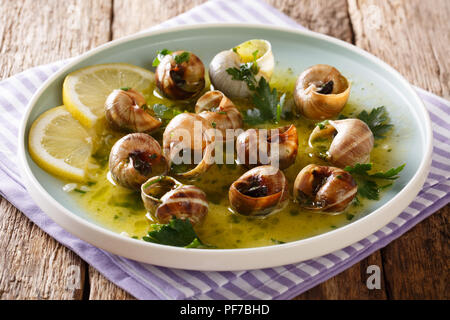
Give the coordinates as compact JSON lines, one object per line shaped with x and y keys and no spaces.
{"x":413,"y":36}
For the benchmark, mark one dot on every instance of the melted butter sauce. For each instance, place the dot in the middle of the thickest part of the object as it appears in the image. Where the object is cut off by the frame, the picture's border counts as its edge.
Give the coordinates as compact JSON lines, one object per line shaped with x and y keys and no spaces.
{"x":121,"y":210}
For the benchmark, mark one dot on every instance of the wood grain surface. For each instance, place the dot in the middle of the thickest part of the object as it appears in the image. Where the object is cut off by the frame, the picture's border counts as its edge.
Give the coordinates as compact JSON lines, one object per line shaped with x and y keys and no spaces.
{"x":411,"y":35}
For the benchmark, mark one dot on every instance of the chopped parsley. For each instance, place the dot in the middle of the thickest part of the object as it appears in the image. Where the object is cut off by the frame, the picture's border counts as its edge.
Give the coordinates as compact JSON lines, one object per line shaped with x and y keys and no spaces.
{"x":246,"y":72}
{"x":125,"y":88}
{"x":377,"y":120}
{"x":165,"y":113}
{"x":322,"y":124}
{"x":177,"y":232}
{"x":267,"y":105}
{"x":367,"y":186}
{"x":182,"y":57}
{"x":159,"y":56}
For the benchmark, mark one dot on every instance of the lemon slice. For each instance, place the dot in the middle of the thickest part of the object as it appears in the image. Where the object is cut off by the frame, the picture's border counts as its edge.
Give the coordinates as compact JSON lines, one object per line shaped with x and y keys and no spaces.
{"x":59,"y":144}
{"x":85,"y":90}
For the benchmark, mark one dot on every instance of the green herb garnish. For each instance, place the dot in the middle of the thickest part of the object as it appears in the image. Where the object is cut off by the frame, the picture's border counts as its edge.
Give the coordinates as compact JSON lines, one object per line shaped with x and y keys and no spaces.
{"x":125,"y":88}
{"x":367,"y":187}
{"x":322,"y":125}
{"x":163,"y":112}
{"x":79,"y":190}
{"x":246,"y":72}
{"x":159,"y":56}
{"x":182,"y":57}
{"x":177,"y":232}
{"x":377,"y":120}
{"x":266,"y":102}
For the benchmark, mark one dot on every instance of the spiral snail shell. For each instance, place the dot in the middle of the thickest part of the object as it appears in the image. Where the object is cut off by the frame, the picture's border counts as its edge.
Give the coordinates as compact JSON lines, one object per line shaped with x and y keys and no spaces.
{"x":321,"y":92}
{"x":164,"y":197}
{"x":257,"y":146}
{"x":180,"y":75}
{"x":352,"y":141}
{"x":123,"y":110}
{"x":220,"y":111}
{"x":241,"y":54}
{"x":189,"y":136}
{"x":258,"y":192}
{"x":323,"y":188}
{"x":135,"y":158}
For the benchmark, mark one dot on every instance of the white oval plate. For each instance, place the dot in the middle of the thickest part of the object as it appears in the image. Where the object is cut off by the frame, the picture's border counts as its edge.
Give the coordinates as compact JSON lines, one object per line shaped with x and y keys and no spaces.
{"x":299,"y":49}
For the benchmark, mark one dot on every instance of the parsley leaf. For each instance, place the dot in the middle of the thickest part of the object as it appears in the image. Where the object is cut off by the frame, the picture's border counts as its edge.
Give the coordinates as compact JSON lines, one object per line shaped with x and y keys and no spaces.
{"x":163,"y":112}
{"x":182,"y":57}
{"x":246,"y":72}
{"x":159,"y":56}
{"x":177,"y":232}
{"x":377,"y":120}
{"x":367,"y":187}
{"x":266,"y":100}
{"x":322,"y":124}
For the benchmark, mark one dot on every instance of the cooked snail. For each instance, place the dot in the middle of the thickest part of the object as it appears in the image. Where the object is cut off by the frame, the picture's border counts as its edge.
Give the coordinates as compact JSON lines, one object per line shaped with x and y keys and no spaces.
{"x":165,"y":197}
{"x":324,"y":188}
{"x":180,"y":75}
{"x":135,"y":158}
{"x":352,"y":141}
{"x":321,"y":92}
{"x":240,"y":55}
{"x":258,"y":192}
{"x":123,"y":109}
{"x":189,"y":137}
{"x":220,"y":111}
{"x":260,"y":146}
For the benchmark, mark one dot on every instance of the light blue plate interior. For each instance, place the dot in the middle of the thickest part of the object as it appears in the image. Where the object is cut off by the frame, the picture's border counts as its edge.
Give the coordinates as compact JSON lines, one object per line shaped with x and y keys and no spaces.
{"x":372,"y":85}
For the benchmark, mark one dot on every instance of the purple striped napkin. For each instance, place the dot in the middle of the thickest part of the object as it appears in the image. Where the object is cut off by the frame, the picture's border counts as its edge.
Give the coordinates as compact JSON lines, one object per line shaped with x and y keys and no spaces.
{"x":152,"y":282}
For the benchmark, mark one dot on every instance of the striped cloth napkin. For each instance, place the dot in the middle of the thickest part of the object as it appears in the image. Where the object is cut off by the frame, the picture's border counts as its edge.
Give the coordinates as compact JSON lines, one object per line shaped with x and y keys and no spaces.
{"x":152,"y":282}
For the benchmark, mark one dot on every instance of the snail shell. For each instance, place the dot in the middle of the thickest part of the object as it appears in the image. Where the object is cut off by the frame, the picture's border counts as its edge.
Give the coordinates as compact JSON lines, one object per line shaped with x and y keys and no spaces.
{"x":220,"y":111}
{"x":223,"y":81}
{"x":164,"y":197}
{"x":321,"y":92}
{"x":135,"y":158}
{"x":180,"y":81}
{"x":123,"y":110}
{"x":252,"y":147}
{"x":188,"y":132}
{"x":258,"y":192}
{"x":352,"y":143}
{"x":328,"y":189}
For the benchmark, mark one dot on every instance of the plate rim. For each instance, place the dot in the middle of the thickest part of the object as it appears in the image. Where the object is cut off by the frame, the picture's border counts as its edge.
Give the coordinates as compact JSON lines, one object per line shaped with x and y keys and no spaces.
{"x":236,"y":259}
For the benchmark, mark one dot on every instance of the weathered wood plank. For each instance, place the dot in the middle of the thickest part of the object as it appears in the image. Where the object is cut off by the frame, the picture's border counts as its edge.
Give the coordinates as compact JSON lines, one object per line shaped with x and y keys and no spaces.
{"x":32,"y":264}
{"x":413,"y":37}
{"x":146,"y":14}
{"x":324,"y":16}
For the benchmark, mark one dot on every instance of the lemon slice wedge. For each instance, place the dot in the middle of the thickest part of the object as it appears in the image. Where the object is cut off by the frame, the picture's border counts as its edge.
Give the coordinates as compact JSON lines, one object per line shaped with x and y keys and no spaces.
{"x":85,"y":90}
{"x":59,"y":144}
